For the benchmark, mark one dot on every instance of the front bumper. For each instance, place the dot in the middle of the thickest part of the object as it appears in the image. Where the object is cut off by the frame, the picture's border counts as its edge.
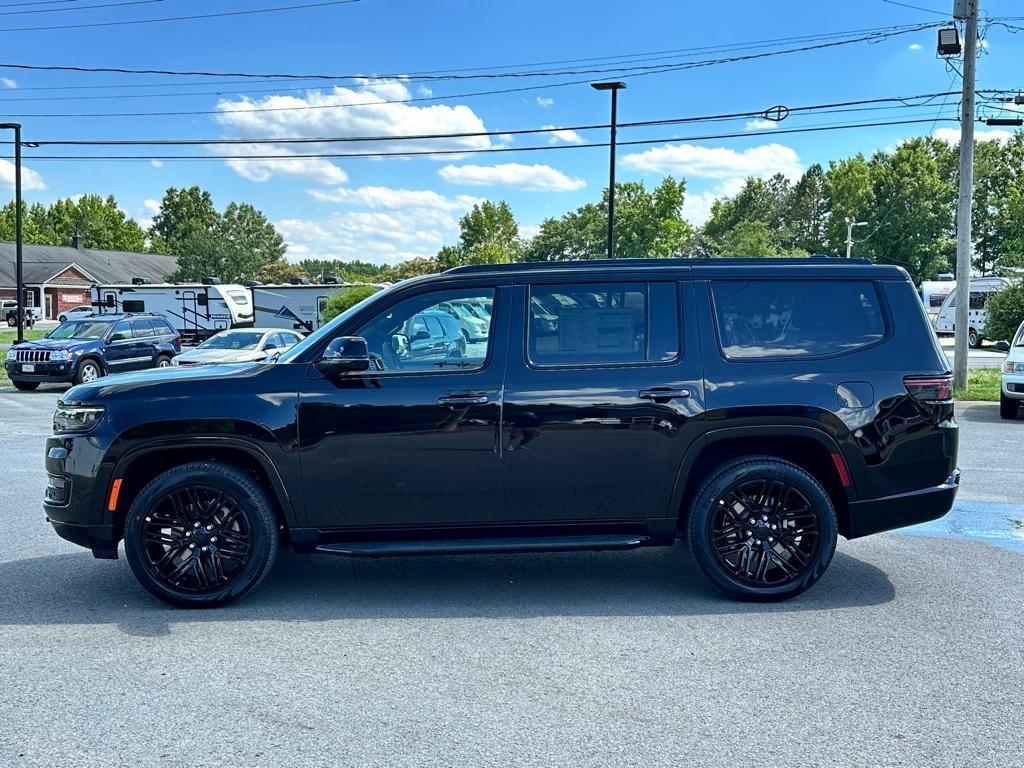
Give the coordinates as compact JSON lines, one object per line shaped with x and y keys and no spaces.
{"x":73,"y":500}
{"x":1013,"y":385}
{"x":62,"y":371}
{"x":902,"y":509}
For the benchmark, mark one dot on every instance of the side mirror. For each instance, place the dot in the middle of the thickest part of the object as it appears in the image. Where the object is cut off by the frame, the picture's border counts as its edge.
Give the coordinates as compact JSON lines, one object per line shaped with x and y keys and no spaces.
{"x":1003,"y":346}
{"x":343,"y":355}
{"x":118,"y":337}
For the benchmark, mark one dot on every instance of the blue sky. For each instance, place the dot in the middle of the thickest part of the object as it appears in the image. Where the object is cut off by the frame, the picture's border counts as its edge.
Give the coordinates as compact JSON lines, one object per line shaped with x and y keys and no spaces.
{"x":391,"y":209}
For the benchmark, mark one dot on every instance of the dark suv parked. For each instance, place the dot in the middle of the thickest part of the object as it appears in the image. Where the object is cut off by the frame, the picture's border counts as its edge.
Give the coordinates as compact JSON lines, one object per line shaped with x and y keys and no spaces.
{"x":85,"y":349}
{"x":757,"y":408}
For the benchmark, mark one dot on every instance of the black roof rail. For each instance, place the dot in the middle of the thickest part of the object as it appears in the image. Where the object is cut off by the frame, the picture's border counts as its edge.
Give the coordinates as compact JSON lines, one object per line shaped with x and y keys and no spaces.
{"x":527,"y":266}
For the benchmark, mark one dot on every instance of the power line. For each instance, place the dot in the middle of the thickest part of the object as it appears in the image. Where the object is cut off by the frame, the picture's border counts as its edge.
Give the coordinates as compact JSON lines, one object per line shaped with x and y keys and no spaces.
{"x":79,"y":7}
{"x":489,"y":150}
{"x":192,"y":17}
{"x":897,"y":102}
{"x":916,"y":7}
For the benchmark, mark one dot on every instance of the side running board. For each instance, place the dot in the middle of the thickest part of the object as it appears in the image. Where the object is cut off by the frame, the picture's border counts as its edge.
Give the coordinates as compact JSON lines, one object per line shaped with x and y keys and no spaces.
{"x":482,"y":546}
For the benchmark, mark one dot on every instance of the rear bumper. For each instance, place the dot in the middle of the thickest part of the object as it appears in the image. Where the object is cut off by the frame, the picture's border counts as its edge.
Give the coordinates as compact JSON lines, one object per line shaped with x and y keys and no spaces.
{"x":903,"y":509}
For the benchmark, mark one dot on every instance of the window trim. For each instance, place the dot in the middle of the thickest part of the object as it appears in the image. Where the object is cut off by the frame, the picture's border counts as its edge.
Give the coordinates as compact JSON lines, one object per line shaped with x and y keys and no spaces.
{"x":883,"y":308}
{"x":360,"y":323}
{"x":645,"y":282}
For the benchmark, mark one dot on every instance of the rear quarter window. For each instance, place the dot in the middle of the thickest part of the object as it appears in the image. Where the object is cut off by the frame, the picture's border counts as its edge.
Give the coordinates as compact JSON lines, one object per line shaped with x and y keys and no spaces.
{"x":778,"y":319}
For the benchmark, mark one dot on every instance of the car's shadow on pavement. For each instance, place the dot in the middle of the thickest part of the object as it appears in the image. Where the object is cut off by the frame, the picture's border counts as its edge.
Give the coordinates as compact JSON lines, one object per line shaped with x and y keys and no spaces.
{"x":76,"y":589}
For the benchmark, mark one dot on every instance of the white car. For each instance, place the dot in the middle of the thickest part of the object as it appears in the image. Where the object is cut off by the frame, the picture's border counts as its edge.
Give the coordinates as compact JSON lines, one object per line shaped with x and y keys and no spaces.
{"x":75,"y":313}
{"x":239,"y":345}
{"x":1011,"y":389}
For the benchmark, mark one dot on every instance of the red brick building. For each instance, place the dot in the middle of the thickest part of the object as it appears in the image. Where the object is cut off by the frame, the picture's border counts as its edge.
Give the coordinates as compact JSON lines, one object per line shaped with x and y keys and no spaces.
{"x":58,"y":278}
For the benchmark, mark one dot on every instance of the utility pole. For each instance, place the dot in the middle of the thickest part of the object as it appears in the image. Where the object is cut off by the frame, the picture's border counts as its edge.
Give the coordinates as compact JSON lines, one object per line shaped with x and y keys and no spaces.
{"x":964,"y":240}
{"x":614,"y":88}
{"x":850,"y":224}
{"x":19,"y":277}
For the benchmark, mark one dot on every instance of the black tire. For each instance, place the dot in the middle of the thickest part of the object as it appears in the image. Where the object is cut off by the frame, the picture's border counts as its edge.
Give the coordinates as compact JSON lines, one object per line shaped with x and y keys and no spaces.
{"x":11,"y":321}
{"x":1009,"y":408}
{"x":809,"y":546}
{"x":151,"y":535}
{"x":25,"y":386}
{"x":163,"y":361}
{"x":82,"y":373}
{"x":974,"y":339}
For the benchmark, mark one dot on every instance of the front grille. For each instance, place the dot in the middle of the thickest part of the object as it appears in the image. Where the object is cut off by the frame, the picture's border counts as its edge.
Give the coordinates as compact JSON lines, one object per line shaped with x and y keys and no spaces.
{"x":31,"y":355}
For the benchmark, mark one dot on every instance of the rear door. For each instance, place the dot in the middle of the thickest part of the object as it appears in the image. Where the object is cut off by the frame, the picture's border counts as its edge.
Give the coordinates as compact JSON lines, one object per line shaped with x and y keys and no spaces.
{"x":144,"y":346}
{"x":603,"y":395}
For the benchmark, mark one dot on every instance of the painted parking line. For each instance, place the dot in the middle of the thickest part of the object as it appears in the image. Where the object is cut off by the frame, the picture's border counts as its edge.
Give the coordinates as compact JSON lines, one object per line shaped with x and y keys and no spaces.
{"x":1001,"y":525}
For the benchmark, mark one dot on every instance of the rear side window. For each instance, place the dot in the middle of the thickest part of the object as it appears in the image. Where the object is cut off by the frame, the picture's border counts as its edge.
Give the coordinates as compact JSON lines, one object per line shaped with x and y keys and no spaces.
{"x":141,"y":328}
{"x":603,"y":323}
{"x":766,"y":319}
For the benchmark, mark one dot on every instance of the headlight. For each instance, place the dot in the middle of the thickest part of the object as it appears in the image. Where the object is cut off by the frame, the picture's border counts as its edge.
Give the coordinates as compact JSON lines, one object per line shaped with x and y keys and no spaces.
{"x":76,"y":418}
{"x":59,"y":355}
{"x":1010,"y":367}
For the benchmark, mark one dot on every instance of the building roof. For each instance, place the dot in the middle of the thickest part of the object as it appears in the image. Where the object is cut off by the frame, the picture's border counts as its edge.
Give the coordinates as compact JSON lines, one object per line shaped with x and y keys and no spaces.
{"x":43,"y":262}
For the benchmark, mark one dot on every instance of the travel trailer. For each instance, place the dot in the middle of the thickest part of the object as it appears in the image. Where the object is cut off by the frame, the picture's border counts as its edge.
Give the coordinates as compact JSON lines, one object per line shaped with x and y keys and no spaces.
{"x":933,"y":293}
{"x":981,"y":289}
{"x":196,"y":310}
{"x":295,"y":307}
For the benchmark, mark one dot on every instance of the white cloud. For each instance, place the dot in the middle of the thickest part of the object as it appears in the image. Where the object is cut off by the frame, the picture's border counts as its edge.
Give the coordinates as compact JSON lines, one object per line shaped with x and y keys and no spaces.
{"x":316,"y":169}
{"x":528,"y":231}
{"x":387,"y":226}
{"x":760,"y":124}
{"x":7,"y":82}
{"x":157,"y":163}
{"x":151,"y":208}
{"x":915,"y":46}
{"x":717,"y":162}
{"x":545,"y":101}
{"x":952,"y":135}
{"x":531,"y":177}
{"x":564,"y":135}
{"x":697,"y":208}
{"x":29,"y":178}
{"x":318,"y":113}
{"x":424,"y":91}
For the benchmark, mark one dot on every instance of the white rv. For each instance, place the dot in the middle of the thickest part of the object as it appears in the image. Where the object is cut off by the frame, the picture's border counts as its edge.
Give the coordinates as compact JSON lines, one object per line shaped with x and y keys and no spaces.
{"x":196,"y":310}
{"x":933,"y":293}
{"x":295,"y":307}
{"x":981,"y":289}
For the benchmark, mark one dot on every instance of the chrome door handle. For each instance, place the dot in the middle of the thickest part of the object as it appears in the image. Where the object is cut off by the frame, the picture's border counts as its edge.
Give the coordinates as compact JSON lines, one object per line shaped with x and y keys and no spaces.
{"x":462,"y":400}
{"x":659,"y":394}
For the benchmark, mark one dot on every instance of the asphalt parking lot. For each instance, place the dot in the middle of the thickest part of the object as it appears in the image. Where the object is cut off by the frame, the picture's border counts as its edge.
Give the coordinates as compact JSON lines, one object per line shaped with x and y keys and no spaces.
{"x":909,"y":652}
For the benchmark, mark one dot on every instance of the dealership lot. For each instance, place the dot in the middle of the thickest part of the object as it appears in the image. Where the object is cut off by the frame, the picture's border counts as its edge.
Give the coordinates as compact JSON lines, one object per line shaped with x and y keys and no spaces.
{"x":910,"y":651}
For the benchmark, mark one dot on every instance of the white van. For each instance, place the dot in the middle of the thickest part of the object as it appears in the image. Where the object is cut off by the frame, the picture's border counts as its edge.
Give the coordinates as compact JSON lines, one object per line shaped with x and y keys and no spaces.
{"x":981,"y":289}
{"x":196,"y":310}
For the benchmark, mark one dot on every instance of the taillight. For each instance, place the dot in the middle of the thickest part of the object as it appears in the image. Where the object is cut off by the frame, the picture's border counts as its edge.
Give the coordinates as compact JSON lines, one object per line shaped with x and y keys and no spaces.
{"x":930,"y":389}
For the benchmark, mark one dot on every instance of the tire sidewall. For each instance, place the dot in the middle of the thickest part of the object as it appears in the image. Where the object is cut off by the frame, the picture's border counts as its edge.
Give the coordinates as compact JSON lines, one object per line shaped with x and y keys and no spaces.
{"x":770,"y":469}
{"x":81,"y":368}
{"x":259,"y":515}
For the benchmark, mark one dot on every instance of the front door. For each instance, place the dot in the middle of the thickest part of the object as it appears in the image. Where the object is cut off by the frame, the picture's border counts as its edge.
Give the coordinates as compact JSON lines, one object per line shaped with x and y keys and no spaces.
{"x":603,"y":395}
{"x":122,"y":354}
{"x":413,"y":441}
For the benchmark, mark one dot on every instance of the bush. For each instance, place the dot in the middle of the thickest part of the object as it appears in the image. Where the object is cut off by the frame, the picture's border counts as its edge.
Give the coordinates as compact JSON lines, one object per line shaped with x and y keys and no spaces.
{"x":339,"y":302}
{"x":1005,"y":312}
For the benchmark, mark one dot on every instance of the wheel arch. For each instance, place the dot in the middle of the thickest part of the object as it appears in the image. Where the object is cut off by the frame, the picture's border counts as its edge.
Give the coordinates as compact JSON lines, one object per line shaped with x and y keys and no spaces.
{"x":139,"y":466}
{"x":807,"y":447}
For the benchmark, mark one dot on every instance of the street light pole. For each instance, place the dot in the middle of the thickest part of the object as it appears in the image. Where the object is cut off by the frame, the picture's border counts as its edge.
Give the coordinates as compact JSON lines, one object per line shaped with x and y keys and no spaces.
{"x":614,"y":88}
{"x":850,"y":224}
{"x":19,"y":278}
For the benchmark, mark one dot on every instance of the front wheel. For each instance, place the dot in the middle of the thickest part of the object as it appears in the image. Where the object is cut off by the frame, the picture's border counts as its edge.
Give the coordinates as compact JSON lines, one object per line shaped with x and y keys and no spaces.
{"x":163,"y":361}
{"x":88,"y":370}
{"x":201,"y":535}
{"x":762,"y":529}
{"x":1008,"y":407}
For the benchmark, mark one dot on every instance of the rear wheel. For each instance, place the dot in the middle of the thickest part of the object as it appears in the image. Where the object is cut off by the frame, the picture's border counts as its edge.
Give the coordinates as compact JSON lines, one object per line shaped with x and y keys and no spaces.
{"x":974,"y":338}
{"x":25,"y":386}
{"x":11,"y":321}
{"x":201,"y":535}
{"x":762,"y":529}
{"x":1009,"y":408}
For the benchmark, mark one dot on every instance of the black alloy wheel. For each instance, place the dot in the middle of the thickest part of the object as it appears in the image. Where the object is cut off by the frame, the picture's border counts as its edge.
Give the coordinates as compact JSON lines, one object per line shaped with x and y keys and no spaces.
{"x":763,"y":529}
{"x":201,"y":534}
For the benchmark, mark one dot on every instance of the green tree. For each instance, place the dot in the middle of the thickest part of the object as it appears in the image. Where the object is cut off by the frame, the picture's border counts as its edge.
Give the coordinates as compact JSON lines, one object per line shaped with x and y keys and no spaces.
{"x":488,"y":234}
{"x":203,"y":254}
{"x":410,"y":268}
{"x":760,"y":200}
{"x":33,"y":223}
{"x":251,"y":236}
{"x":806,"y":211}
{"x":339,"y":302}
{"x":349,"y":271}
{"x":748,"y":238}
{"x":97,"y":220}
{"x":848,"y":194}
{"x":280,"y":272}
{"x":184,"y":213}
{"x":1005,"y":312}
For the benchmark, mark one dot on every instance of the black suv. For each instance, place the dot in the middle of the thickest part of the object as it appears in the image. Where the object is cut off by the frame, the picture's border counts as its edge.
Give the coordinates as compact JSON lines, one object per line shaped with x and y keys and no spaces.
{"x":85,"y":349}
{"x":757,"y":408}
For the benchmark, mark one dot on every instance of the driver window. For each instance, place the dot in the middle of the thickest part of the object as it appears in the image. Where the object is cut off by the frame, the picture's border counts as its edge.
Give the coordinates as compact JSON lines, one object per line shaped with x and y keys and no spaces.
{"x":409,"y":336}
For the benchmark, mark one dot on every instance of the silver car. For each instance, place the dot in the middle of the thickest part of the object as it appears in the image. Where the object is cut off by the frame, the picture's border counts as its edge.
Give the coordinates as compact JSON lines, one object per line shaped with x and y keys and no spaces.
{"x":239,"y":345}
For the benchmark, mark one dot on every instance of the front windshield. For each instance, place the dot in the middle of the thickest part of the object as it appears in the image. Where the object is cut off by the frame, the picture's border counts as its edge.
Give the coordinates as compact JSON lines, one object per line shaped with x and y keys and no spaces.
{"x":80,"y":329}
{"x":293,"y":353}
{"x":1019,"y":341}
{"x":236,"y":341}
